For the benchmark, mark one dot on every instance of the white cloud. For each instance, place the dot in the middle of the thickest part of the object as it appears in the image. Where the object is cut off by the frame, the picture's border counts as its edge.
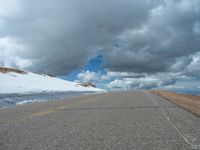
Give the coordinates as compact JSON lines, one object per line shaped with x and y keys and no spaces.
{"x":9,"y":54}
{"x":191,"y":84}
{"x":194,"y":67}
{"x":139,"y":83}
{"x":129,"y":80}
{"x":114,"y":74}
{"x":87,"y":76}
{"x":8,"y":7}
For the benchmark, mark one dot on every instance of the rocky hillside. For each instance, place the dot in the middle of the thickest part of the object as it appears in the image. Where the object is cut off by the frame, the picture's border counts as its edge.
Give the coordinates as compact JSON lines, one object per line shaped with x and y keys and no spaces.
{"x":7,"y":70}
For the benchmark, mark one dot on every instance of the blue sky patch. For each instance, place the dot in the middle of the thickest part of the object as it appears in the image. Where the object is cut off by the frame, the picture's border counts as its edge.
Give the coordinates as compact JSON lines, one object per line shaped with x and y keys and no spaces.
{"x":93,"y":65}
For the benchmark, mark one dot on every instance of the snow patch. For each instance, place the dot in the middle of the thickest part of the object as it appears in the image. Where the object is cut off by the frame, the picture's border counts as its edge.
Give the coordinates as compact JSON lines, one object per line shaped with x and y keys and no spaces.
{"x":13,"y":82}
{"x":29,"y":101}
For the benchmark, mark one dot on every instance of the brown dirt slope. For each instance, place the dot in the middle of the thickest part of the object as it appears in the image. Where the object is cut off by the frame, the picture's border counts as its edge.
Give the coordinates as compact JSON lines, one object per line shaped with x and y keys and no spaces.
{"x":186,"y":101}
{"x":7,"y":70}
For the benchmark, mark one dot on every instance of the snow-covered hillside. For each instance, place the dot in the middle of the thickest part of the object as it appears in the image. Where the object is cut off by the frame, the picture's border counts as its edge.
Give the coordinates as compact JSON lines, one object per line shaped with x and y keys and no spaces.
{"x":13,"y":82}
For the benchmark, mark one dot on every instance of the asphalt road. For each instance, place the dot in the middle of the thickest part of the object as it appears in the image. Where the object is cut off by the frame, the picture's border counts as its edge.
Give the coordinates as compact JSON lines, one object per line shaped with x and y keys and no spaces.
{"x":124,"y":121}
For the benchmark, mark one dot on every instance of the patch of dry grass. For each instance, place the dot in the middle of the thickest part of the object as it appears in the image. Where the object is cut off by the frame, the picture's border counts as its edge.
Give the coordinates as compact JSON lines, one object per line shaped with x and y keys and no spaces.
{"x":7,"y":70}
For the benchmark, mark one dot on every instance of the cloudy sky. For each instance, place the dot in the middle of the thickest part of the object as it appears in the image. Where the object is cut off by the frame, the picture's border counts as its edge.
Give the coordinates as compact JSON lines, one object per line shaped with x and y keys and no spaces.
{"x":118,"y":44}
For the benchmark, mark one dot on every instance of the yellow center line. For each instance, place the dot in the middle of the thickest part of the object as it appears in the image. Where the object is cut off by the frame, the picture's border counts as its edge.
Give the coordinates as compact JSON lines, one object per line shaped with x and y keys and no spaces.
{"x":41,"y":113}
{"x":56,"y":109}
{"x":62,"y":107}
{"x":87,"y":100}
{"x":37,"y":114}
{"x":91,"y":99}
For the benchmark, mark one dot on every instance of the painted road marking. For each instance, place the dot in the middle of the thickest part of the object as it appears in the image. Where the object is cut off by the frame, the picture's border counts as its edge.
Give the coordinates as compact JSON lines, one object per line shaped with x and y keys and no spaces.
{"x":169,"y":120}
{"x":37,"y":114}
{"x":87,"y":100}
{"x":42,"y":113}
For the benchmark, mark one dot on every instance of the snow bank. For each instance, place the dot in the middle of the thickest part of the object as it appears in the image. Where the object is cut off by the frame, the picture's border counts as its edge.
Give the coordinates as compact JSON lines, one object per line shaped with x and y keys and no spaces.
{"x":13,"y":82}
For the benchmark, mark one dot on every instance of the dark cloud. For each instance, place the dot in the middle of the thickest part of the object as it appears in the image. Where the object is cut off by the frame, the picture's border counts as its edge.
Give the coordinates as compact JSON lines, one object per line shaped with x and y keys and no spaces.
{"x":157,"y":45}
{"x":145,"y":36}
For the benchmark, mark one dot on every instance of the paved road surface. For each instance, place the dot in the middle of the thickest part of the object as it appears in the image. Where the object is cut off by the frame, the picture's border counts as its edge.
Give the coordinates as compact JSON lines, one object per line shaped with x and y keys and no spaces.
{"x":125,"y":120}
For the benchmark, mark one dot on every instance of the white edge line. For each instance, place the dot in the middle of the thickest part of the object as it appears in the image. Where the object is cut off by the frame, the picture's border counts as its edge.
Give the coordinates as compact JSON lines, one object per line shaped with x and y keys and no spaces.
{"x":173,"y":125}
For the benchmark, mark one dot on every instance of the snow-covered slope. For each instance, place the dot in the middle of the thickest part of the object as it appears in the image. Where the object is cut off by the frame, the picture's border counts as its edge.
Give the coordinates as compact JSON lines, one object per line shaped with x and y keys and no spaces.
{"x":12,"y":82}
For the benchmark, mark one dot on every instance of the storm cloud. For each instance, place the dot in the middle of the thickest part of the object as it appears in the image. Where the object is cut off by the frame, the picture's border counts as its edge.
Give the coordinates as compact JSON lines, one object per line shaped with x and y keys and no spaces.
{"x":146,"y":36}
